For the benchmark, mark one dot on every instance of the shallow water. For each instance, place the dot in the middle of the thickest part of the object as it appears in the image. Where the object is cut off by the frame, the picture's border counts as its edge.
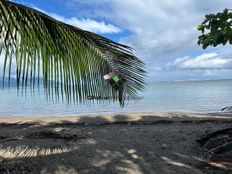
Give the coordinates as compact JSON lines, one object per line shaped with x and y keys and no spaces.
{"x":193,"y":96}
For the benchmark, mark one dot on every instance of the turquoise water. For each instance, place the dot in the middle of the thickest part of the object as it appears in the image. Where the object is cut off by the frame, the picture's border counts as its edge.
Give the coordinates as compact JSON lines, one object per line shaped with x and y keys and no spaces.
{"x":193,"y":96}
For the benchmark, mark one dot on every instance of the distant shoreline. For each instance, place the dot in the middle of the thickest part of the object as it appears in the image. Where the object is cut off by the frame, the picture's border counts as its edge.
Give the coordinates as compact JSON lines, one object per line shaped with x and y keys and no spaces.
{"x":13,"y":81}
{"x":170,"y":81}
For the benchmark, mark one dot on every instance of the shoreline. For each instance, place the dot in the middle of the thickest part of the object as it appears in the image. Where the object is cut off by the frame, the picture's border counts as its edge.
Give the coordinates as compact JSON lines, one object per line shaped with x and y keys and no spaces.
{"x":115,"y":117}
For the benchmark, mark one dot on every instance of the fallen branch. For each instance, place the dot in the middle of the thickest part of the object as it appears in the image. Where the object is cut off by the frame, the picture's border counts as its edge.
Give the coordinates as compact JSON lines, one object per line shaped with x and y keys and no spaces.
{"x":202,"y":141}
{"x":227,"y":108}
{"x":221,"y":148}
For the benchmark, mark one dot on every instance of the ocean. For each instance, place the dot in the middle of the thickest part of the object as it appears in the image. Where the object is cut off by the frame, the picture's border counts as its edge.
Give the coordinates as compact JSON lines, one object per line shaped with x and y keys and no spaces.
{"x":185,"y":96}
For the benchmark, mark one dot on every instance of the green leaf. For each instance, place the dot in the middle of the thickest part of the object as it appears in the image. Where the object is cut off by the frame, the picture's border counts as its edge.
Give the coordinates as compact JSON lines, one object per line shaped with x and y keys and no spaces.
{"x":218,"y":29}
{"x":72,"y":61}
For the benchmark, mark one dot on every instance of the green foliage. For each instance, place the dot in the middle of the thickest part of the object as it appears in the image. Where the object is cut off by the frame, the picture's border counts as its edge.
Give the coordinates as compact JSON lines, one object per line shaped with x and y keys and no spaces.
{"x":216,"y":29}
{"x":72,"y":61}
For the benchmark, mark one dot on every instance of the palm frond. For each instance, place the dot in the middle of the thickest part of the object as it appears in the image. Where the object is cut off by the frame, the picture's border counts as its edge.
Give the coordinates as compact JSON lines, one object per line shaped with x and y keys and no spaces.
{"x":72,"y":61}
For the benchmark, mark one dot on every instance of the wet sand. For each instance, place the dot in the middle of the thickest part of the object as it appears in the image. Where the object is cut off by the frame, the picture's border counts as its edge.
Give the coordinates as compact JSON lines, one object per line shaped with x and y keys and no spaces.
{"x":114,"y":143}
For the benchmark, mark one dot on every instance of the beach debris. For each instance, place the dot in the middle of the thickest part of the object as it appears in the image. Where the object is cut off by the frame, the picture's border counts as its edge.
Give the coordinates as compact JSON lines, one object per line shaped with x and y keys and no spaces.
{"x":227,"y":109}
{"x":218,"y":146}
{"x":205,"y":138}
{"x":220,"y":162}
{"x":115,"y":79}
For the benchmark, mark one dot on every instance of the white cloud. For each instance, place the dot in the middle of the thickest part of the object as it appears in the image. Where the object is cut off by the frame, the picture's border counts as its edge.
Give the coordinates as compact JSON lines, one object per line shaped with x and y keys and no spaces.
{"x":94,"y":26}
{"x":89,"y":24}
{"x":162,"y":31}
{"x":204,"y":61}
{"x":100,"y":27}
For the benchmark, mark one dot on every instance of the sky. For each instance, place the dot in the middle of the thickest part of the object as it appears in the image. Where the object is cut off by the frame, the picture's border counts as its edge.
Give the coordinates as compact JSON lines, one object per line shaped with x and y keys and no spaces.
{"x":163,"y":33}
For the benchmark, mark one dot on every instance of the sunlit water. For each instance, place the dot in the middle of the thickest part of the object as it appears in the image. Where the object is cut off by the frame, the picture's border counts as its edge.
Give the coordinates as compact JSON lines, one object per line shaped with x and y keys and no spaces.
{"x":198,"y":96}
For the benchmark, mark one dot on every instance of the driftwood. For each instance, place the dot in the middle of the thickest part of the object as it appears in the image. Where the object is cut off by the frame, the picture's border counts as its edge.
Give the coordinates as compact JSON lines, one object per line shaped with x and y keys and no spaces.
{"x":222,"y":148}
{"x":203,"y":140}
{"x":218,"y":145}
{"x":227,"y":109}
{"x":217,"y":142}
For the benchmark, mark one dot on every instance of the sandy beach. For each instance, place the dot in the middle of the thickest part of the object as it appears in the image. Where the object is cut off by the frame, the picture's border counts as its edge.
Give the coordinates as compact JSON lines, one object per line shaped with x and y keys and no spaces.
{"x":132,"y":143}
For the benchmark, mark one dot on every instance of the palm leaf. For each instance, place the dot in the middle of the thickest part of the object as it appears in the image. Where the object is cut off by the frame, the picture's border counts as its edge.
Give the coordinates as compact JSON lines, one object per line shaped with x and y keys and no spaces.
{"x":71,"y":61}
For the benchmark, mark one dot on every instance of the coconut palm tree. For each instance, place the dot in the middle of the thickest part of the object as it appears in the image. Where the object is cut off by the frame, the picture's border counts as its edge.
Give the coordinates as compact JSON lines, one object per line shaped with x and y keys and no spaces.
{"x":71,"y":61}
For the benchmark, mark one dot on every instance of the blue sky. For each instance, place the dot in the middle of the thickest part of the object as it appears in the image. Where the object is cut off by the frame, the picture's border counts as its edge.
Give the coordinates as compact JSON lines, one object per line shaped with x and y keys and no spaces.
{"x":163,"y":33}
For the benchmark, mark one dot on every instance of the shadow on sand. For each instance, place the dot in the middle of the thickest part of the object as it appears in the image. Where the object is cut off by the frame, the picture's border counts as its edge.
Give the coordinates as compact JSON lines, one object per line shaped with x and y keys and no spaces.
{"x":94,"y":145}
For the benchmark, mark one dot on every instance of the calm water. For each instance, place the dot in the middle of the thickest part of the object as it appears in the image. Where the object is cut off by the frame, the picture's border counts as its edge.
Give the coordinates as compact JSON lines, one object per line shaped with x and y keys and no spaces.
{"x":198,"y":96}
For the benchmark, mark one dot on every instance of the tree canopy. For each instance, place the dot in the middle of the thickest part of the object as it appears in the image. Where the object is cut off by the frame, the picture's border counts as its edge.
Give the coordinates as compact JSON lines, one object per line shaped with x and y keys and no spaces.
{"x":216,"y":29}
{"x":72,"y":61}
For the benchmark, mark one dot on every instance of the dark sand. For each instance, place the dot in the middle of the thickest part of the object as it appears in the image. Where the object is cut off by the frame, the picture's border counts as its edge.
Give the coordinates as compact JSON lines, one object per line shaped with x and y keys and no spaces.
{"x":162,"y":143}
